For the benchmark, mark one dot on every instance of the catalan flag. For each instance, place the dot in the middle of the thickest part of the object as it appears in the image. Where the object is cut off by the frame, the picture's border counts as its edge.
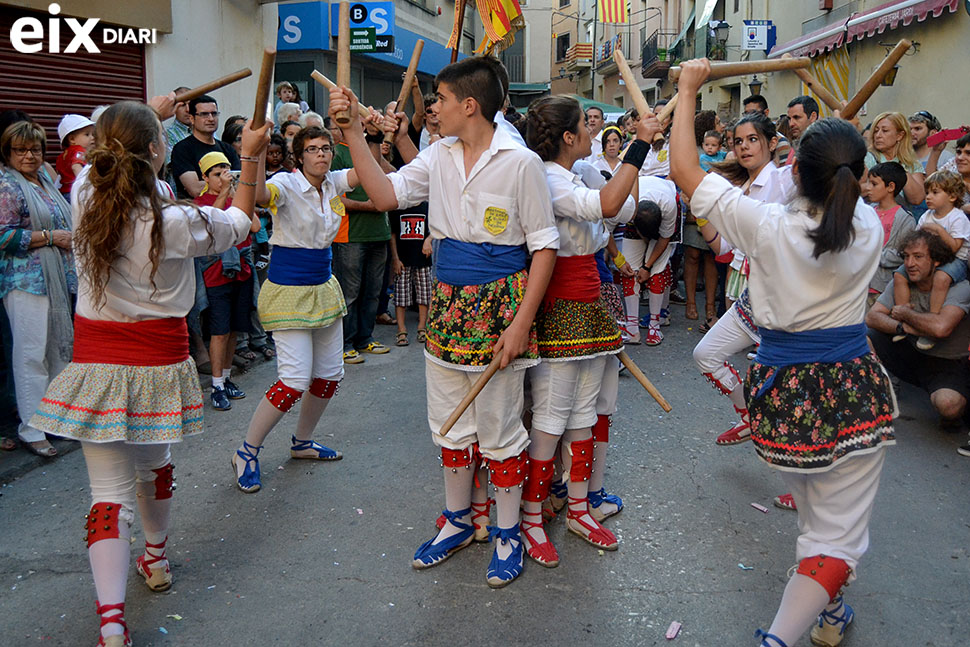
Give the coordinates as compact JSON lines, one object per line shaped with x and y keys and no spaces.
{"x":501,"y":19}
{"x":612,"y":11}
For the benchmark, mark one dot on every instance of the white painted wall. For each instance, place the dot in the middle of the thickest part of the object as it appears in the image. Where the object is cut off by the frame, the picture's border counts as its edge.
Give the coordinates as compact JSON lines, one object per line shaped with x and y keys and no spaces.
{"x":208,"y":40}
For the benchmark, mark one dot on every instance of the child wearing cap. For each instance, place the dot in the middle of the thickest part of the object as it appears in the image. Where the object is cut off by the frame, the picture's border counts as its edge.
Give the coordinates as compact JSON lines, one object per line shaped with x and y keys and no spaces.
{"x":77,"y":138}
{"x":228,"y":281}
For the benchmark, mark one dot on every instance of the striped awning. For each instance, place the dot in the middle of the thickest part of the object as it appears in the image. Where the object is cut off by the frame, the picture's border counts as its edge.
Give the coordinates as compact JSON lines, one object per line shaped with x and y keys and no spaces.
{"x":875,"y":21}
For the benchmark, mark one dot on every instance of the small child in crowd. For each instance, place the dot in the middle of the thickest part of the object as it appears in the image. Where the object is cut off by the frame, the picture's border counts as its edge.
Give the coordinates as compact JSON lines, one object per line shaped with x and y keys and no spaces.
{"x":885,"y":182}
{"x":712,"y":149}
{"x":944,"y":191}
{"x":77,"y":138}
{"x":411,"y":267}
{"x":228,"y":284}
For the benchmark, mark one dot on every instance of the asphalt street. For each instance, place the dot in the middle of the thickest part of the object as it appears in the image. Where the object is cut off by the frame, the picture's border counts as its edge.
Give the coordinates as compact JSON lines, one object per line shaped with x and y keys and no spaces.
{"x":322,"y":555}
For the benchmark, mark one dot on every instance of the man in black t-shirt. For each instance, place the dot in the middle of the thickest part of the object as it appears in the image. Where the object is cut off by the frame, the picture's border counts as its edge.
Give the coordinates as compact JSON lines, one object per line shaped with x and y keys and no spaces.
{"x":204,"y":118}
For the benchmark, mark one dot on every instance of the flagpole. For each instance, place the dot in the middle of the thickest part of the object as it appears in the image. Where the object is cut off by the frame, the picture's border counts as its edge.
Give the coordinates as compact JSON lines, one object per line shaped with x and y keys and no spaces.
{"x":592,"y":67}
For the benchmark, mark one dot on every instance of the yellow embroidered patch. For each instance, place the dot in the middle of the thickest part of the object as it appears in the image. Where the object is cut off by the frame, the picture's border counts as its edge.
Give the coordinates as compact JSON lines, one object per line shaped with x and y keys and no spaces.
{"x":338,"y":206}
{"x":496,"y":220}
{"x":662,"y":156}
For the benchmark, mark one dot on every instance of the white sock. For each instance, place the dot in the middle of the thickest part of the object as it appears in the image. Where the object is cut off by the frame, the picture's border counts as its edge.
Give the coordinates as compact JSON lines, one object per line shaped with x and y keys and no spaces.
{"x":737,"y":397}
{"x":226,"y":373}
{"x":803,"y":600}
{"x":109,"y":566}
{"x":218,"y":382}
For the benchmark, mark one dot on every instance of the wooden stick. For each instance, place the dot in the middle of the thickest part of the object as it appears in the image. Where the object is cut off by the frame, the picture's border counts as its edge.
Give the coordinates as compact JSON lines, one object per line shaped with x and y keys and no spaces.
{"x":472,"y":394}
{"x":327,"y":83}
{"x":876,"y":78}
{"x":639,"y":101}
{"x":816,"y":87}
{"x":343,"y":57}
{"x":460,"y":8}
{"x":667,"y":110}
{"x":205,"y":88}
{"x":644,"y":382}
{"x":721,"y":70}
{"x":265,"y":87}
{"x":402,"y":99}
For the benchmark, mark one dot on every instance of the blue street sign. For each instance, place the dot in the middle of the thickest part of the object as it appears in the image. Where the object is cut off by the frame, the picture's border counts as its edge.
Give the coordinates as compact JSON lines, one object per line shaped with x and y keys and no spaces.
{"x":303,"y":25}
{"x":378,"y":15}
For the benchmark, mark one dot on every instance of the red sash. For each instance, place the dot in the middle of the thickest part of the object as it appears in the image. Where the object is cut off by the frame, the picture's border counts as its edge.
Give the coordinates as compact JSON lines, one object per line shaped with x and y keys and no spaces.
{"x":575,"y":278}
{"x":153,"y":342}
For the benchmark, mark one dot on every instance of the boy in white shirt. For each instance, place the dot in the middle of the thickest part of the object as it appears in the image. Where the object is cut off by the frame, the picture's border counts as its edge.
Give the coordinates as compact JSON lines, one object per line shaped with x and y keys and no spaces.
{"x":944,"y":194}
{"x":487,"y":203}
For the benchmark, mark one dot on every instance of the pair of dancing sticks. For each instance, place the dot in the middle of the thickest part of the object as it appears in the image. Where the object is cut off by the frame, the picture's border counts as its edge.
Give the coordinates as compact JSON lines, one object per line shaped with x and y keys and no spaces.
{"x":263,"y":90}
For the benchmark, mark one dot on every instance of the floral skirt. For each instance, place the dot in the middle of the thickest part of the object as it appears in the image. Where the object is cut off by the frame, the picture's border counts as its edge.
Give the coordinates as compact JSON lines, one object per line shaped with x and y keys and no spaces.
{"x":576,"y":330}
{"x":464,"y":322}
{"x":610,"y":293}
{"x":814,"y":415}
{"x":283,"y":307}
{"x":109,"y":402}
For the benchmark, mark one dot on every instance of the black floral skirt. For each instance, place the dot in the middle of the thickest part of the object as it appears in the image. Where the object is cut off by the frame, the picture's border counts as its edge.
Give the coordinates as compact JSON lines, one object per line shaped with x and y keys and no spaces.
{"x":813,"y":415}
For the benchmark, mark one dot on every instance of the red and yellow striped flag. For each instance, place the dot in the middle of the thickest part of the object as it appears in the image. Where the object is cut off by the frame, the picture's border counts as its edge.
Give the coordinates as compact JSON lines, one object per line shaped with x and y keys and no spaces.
{"x":612,"y":11}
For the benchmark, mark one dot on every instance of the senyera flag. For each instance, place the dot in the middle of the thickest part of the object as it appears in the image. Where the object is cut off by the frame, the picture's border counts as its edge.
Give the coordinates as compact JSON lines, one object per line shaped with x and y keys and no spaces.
{"x":501,"y":19}
{"x":612,"y":11}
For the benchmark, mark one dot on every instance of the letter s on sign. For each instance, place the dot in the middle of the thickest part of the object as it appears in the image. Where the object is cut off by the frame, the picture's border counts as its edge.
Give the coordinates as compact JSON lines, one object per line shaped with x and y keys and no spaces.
{"x":26,"y":28}
{"x":291,"y":25}
{"x":379,"y":18}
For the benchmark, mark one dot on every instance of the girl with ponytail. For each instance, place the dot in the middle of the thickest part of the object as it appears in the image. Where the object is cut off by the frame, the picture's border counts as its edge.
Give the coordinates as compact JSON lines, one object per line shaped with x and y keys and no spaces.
{"x":820,"y":403}
{"x":132,"y":389}
{"x":577,"y":336}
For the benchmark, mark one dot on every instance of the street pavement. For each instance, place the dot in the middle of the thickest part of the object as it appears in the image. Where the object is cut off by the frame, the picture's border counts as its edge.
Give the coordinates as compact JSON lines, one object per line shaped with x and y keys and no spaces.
{"x":322,"y":555}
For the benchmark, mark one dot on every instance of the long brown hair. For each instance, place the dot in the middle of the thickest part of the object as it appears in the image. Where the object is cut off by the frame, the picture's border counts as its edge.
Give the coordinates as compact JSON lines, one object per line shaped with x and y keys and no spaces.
{"x":732,"y":169}
{"x":123,"y":180}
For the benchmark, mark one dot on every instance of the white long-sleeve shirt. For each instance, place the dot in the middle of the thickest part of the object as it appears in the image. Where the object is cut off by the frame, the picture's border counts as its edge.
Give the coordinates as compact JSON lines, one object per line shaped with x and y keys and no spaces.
{"x":502,"y":201}
{"x":579,"y":213}
{"x":129,"y":293}
{"x":789,"y":289}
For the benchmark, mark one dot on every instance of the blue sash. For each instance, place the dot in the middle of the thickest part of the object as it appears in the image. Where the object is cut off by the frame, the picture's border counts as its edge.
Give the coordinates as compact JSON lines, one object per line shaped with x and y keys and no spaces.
{"x":606,"y":276}
{"x":780,"y":349}
{"x":459,"y":263}
{"x":299,"y":266}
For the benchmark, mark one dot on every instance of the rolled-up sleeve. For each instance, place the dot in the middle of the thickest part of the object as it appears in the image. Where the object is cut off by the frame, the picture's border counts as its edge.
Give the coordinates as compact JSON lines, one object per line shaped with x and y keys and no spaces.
{"x":570,"y":200}
{"x":187,"y":232}
{"x":735,"y":215}
{"x":535,"y":207}
{"x":411,"y":181}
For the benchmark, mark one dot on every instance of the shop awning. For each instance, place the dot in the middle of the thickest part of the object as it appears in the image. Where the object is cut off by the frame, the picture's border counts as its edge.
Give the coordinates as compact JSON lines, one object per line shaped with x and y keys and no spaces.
{"x":683,"y":32}
{"x":894,"y":14}
{"x":875,"y":21}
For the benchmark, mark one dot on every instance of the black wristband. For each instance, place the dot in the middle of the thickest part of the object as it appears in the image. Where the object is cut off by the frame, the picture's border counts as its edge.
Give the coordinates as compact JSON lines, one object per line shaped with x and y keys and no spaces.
{"x":374,"y":139}
{"x":899,"y":329}
{"x":636,"y":153}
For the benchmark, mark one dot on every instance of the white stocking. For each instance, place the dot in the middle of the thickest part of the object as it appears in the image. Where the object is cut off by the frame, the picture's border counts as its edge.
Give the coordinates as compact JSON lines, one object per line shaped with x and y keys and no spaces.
{"x":458,"y":493}
{"x":311,"y":409}
{"x":803,"y":600}
{"x":109,"y":566}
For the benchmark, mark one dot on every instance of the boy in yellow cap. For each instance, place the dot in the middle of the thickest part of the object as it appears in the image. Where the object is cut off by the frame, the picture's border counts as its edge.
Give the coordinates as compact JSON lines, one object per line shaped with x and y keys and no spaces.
{"x":228,"y":284}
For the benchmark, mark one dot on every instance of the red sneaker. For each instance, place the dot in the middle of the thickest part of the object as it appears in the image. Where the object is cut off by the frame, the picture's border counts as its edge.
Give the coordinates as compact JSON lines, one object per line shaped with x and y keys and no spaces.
{"x":738,"y":433}
{"x":785,"y":502}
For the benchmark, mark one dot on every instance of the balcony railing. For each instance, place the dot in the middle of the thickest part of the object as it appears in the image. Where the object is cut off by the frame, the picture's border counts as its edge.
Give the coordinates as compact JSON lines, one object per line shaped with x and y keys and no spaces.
{"x":579,"y":56}
{"x":604,"y":53}
{"x":656,"y":54}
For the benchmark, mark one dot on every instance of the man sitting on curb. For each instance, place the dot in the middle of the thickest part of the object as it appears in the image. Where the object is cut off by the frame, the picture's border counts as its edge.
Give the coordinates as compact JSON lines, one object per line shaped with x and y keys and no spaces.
{"x":942,"y":371}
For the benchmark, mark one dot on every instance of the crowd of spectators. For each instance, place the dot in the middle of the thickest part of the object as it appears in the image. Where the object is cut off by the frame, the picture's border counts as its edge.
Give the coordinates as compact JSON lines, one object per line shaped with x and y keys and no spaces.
{"x":920,"y":297}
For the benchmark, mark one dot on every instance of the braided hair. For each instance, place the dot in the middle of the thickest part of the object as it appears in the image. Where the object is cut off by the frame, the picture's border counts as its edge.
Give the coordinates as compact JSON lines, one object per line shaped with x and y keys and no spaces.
{"x":548,"y":119}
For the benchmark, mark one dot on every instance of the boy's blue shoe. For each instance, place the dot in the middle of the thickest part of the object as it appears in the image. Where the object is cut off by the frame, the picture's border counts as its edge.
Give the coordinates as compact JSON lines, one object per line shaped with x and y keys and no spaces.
{"x":220,"y":401}
{"x":503,"y":571}
{"x":233,"y":392}
{"x":430,"y":554}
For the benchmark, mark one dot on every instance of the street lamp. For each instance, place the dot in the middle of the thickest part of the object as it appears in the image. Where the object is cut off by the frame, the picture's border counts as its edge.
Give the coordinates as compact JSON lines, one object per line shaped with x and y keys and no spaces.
{"x":755,"y":85}
{"x":721,"y":30}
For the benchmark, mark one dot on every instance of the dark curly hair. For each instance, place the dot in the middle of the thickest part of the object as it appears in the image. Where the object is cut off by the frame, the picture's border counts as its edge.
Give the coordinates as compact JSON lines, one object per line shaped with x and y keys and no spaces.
{"x":546,"y":122}
{"x":939,"y":251}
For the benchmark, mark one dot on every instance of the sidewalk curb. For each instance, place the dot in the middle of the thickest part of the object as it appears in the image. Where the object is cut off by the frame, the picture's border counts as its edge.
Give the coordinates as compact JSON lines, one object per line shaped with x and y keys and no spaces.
{"x":18,"y":462}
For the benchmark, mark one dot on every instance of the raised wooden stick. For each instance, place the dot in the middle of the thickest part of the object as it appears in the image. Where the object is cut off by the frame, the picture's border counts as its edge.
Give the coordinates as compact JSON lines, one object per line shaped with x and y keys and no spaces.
{"x":472,"y":394}
{"x":816,"y":87}
{"x":265,"y":87}
{"x":875,"y":79}
{"x":667,"y":110}
{"x":343,"y":56}
{"x":644,"y":382}
{"x":205,"y":88}
{"x":327,"y":83}
{"x":402,"y":99}
{"x":721,"y":70}
{"x":630,"y":81}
